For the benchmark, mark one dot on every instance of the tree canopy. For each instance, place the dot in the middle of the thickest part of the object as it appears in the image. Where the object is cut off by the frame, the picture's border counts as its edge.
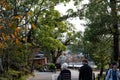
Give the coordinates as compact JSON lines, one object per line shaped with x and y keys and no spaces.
{"x":28,"y":23}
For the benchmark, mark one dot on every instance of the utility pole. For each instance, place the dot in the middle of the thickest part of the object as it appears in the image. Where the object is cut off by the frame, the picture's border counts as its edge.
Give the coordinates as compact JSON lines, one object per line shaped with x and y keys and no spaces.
{"x":114,"y":14}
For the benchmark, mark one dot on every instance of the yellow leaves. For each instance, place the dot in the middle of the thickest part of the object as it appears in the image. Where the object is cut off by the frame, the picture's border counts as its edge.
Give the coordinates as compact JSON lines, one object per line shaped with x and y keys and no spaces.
{"x":17,"y":41}
{"x":4,"y":36}
{"x":8,"y":7}
{"x":3,"y":21}
{"x":14,"y":39}
{"x":4,"y":4}
{"x":29,"y":13}
{"x":18,"y":17}
{"x":1,"y":27}
{"x":33,"y":26}
{"x":2,"y":45}
{"x":15,"y":33}
{"x":12,"y":36}
{"x":26,"y":29}
{"x":18,"y":29}
{"x":10,"y":24}
{"x":13,"y":25}
{"x":25,"y":39}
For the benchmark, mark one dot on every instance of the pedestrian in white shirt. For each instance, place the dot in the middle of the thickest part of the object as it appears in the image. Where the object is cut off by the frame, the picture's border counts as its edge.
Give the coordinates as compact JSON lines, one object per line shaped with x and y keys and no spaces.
{"x":113,"y":73}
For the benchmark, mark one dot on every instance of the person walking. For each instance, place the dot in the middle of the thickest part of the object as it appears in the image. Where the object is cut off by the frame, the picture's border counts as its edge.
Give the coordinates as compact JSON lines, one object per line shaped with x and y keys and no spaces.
{"x":85,"y":72}
{"x":113,"y":73}
{"x":65,"y":73}
{"x":110,"y":66}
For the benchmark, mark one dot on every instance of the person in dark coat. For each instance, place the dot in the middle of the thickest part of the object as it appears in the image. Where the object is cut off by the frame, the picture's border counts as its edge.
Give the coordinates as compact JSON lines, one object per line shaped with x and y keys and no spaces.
{"x":65,"y":73}
{"x":85,"y":72}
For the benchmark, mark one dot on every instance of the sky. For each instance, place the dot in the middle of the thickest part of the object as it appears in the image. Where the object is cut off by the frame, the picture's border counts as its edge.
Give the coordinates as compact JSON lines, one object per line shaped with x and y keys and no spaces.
{"x":75,"y":21}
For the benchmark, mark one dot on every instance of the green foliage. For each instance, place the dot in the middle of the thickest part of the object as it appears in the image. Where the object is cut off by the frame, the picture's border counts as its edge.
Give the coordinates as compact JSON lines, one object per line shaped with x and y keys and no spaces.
{"x":52,"y":44}
{"x":2,"y":78}
{"x":13,"y":73}
{"x":77,"y":44}
{"x":51,"y":67}
{"x":50,"y":32}
{"x":23,"y":78}
{"x":48,"y":67}
{"x":97,"y":38}
{"x":14,"y":62}
{"x":26,"y":23}
{"x":10,"y":75}
{"x":38,"y":67}
{"x":98,"y":34}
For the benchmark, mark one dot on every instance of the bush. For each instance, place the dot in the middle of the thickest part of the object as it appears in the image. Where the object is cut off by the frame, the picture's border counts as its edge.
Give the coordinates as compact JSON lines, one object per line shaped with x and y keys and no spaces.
{"x":49,"y":67}
{"x":38,"y":67}
{"x":2,"y":78}
{"x":10,"y":75}
{"x":13,"y":73}
{"x":52,"y":67}
{"x":23,"y":77}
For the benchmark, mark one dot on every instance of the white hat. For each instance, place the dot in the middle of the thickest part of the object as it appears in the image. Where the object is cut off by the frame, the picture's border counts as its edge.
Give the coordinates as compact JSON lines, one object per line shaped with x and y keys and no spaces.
{"x":64,"y":66}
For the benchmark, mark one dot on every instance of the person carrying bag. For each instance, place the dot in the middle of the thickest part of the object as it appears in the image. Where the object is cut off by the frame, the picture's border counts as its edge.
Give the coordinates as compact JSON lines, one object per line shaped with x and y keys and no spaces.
{"x":65,"y":73}
{"x":113,"y":74}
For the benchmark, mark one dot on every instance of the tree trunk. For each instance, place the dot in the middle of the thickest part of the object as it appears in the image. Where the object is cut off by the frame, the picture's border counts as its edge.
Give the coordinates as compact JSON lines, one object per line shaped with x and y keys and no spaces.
{"x":55,"y":57}
{"x":115,"y":30}
{"x":101,"y":71}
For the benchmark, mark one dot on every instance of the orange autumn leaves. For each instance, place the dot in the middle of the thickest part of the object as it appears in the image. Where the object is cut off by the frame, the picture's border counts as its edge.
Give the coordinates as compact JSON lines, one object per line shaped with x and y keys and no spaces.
{"x":13,"y":37}
{"x":33,"y":26}
{"x":8,"y":39}
{"x":10,"y":32}
{"x":5,"y":5}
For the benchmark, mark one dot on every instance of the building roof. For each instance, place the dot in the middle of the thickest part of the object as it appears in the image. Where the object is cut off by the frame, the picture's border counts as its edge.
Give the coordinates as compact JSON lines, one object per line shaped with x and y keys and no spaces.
{"x":39,"y":56}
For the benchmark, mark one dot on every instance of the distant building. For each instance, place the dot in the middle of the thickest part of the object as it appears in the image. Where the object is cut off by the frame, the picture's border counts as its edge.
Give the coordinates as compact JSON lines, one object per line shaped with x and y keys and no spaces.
{"x":40,"y":59}
{"x":61,"y":59}
{"x":74,"y":60}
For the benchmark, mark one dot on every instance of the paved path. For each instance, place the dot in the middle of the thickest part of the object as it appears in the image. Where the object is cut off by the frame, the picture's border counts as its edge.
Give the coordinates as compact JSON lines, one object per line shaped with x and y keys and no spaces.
{"x":53,"y":75}
{"x":74,"y":74}
{"x":41,"y":76}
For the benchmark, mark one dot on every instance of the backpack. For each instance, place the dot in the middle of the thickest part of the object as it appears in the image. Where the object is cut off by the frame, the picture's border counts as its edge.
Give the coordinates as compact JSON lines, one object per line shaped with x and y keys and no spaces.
{"x":110,"y":76}
{"x":106,"y":73}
